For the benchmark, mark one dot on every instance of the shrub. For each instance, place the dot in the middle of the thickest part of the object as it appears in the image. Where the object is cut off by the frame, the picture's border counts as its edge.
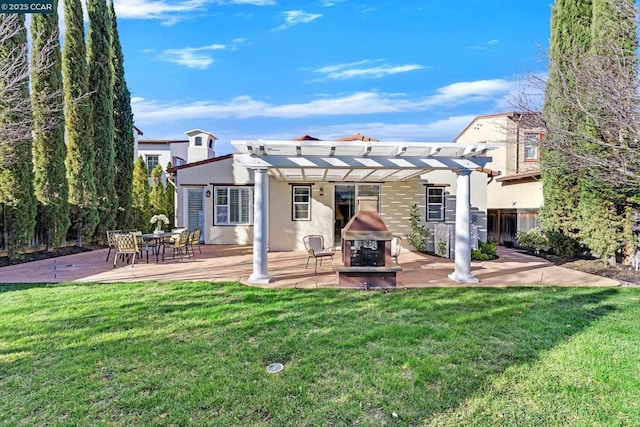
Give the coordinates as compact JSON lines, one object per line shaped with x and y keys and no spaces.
{"x":535,"y":240}
{"x":485,"y":251}
{"x":419,"y":232}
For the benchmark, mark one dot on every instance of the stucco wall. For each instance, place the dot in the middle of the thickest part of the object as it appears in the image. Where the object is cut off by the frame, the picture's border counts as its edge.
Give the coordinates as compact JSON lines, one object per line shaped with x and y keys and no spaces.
{"x":508,"y":159}
{"x":163,"y":151}
{"x":285,"y":234}
{"x":206,"y":176}
{"x":524,"y":195}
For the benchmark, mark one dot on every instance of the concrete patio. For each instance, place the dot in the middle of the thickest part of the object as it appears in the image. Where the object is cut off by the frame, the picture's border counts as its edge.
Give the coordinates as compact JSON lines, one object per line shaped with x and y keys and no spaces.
{"x":223,"y":263}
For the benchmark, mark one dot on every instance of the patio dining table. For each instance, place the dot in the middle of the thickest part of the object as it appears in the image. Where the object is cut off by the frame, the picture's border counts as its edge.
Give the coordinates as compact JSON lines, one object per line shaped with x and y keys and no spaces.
{"x":158,"y":239}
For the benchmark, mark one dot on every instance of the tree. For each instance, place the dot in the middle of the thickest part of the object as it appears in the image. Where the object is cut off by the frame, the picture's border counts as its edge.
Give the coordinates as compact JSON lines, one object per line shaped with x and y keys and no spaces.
{"x":591,"y":113}
{"x":16,"y":120}
{"x":101,"y":82}
{"x":600,"y":225}
{"x":570,"y":39}
{"x":140,"y":196}
{"x":122,"y":127}
{"x":49,"y":149}
{"x":80,"y":153}
{"x":157,"y":196}
{"x":597,"y":89}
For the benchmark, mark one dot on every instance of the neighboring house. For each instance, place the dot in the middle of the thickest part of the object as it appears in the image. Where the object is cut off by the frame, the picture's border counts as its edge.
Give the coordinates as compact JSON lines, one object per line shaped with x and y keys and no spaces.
{"x":514,"y":193}
{"x":273,"y":193}
{"x":198,"y":146}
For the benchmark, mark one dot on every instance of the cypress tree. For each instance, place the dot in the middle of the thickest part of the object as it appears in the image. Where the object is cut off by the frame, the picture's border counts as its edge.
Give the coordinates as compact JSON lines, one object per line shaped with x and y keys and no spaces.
{"x":570,"y":38}
{"x":140,"y":212}
{"x":49,"y":149}
{"x":16,"y":159}
{"x":602,"y":210}
{"x":122,"y":127}
{"x":157,"y":196}
{"x":101,"y":84}
{"x":80,"y":154}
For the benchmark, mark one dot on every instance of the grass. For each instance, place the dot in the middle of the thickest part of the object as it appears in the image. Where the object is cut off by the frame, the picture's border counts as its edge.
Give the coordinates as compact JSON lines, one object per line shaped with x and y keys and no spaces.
{"x":196,"y":354}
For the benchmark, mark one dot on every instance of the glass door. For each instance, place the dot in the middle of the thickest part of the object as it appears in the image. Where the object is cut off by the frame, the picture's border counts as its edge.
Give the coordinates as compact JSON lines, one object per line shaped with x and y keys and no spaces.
{"x":195,"y":211}
{"x":344,"y":208}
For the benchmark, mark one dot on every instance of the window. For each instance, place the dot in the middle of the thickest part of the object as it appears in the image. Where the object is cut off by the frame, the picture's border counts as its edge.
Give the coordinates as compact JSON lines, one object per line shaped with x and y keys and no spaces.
{"x":210,"y":143}
{"x":435,"y":204}
{"x":198,"y":141}
{"x":233,"y":205}
{"x":301,"y":202}
{"x":531,"y":146}
{"x":179,"y":161}
{"x":152,"y":162}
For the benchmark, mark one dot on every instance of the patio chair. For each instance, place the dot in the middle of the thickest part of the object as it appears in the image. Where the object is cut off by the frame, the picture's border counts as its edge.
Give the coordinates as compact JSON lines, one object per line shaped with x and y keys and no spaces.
{"x":110,"y":241}
{"x":314,"y":244}
{"x":178,"y":244}
{"x":194,"y":239}
{"x":396,"y":247}
{"x":126,"y":246}
{"x":145,"y":245}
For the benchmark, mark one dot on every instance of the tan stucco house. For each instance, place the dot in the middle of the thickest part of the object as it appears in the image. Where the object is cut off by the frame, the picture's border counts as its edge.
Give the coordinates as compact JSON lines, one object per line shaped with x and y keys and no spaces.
{"x":272,"y":193}
{"x":514,"y":189}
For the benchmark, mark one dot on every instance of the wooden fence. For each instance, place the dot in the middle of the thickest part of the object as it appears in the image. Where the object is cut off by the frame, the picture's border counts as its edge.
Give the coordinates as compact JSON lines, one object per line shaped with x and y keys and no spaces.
{"x":503,"y":224}
{"x":37,"y":243}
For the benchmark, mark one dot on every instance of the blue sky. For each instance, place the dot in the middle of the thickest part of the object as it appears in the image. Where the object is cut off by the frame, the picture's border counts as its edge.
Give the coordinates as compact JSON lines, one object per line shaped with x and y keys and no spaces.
{"x":406,"y":70}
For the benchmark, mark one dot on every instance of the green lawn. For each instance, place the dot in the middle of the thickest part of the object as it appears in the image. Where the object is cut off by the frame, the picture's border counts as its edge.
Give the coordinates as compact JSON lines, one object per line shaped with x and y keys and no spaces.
{"x":195,"y":354}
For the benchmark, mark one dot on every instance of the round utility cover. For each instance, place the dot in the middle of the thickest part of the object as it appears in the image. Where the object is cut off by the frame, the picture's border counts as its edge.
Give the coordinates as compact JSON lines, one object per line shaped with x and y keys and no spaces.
{"x":274,"y":368}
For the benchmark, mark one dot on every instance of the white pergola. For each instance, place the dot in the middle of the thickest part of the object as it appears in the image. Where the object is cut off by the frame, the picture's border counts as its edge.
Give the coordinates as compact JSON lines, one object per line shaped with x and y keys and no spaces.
{"x":359,"y":161}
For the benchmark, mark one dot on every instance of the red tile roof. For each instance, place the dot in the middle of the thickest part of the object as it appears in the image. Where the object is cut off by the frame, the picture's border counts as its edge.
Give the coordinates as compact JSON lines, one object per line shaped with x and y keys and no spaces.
{"x":358,"y":137}
{"x":201,"y":162}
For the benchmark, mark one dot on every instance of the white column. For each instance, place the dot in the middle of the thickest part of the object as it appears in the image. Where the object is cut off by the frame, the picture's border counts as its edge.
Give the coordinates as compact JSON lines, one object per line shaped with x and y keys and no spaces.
{"x":462,"y":272}
{"x":260,"y":227}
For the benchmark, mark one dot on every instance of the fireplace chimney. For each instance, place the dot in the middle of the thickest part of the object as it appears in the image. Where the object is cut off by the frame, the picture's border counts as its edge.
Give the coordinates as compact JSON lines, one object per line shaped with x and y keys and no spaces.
{"x":366,"y":224}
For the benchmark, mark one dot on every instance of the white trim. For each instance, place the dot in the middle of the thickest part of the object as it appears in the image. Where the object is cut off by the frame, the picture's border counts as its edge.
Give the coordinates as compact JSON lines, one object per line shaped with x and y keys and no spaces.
{"x":441,"y":204}
{"x":228,"y":189}
{"x":294,"y":203}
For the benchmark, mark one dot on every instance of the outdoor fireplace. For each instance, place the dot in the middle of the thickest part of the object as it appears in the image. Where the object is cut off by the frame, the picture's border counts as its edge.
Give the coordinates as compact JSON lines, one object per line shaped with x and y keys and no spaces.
{"x":366,"y":249}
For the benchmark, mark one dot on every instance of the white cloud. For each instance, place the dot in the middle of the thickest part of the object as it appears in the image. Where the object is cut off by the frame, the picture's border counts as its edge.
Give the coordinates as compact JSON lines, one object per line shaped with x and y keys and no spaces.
{"x":485,"y":45}
{"x":330,"y":3}
{"x":191,"y":57}
{"x":359,"y":103}
{"x":479,"y":90}
{"x":358,"y":69}
{"x":156,"y":9}
{"x":294,"y":17}
{"x":442,"y":130}
{"x":172,"y":11}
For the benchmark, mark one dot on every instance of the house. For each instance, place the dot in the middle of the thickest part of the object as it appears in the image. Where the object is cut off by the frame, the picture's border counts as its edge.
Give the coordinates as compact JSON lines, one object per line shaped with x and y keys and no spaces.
{"x":198,"y":146}
{"x":270,"y":194}
{"x":514,"y":190}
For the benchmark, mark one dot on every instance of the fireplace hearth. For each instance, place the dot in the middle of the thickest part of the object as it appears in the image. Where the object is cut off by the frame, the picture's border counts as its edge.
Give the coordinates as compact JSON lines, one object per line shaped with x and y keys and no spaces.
{"x":366,"y":250}
{"x":367,"y":253}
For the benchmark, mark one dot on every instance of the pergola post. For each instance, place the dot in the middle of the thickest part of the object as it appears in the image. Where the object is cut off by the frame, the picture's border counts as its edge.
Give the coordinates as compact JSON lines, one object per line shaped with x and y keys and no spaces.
{"x":462,"y":272}
{"x":260,"y":274}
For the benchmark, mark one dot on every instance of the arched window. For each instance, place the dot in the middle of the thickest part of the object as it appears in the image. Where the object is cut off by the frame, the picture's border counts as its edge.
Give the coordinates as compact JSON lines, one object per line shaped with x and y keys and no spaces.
{"x":198,"y":141}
